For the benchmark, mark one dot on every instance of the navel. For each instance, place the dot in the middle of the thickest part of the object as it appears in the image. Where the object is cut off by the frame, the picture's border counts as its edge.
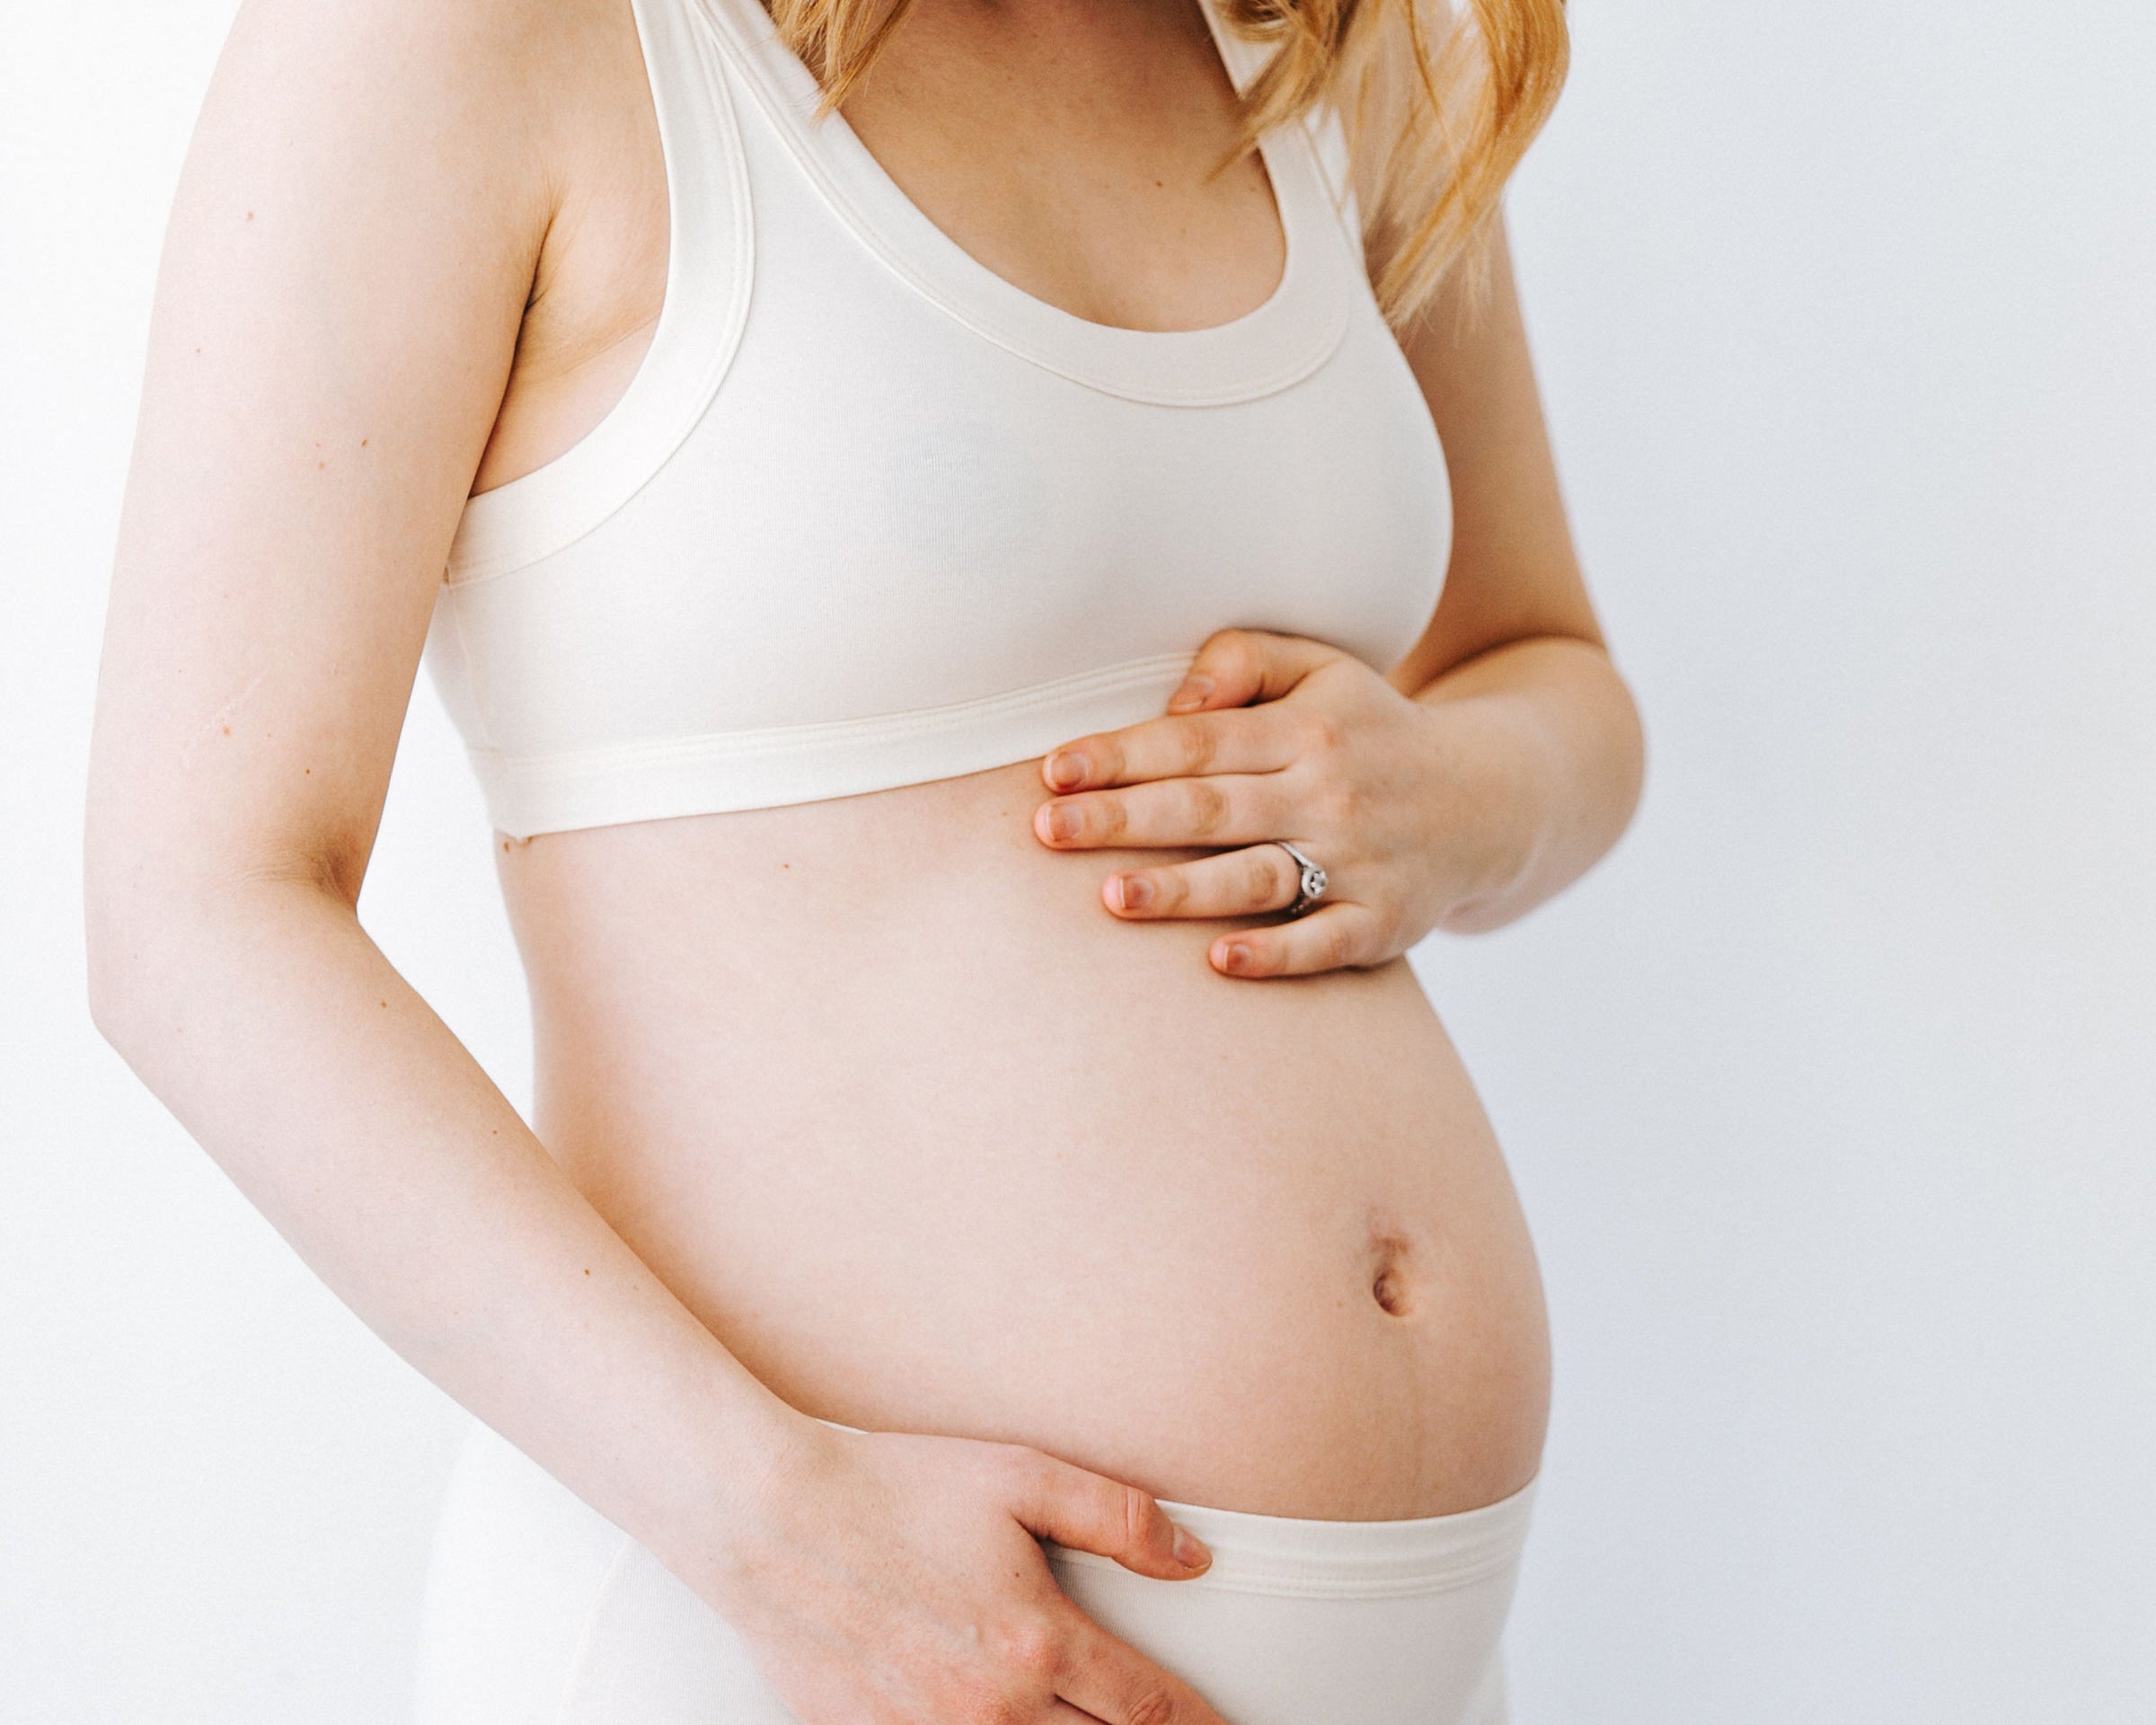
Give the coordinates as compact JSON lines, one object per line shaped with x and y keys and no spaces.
{"x":1391,"y":1284}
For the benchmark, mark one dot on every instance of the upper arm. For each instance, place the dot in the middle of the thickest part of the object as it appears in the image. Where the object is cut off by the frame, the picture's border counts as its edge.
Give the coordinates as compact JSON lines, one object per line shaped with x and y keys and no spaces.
{"x":1514,"y":574}
{"x":337,"y":307}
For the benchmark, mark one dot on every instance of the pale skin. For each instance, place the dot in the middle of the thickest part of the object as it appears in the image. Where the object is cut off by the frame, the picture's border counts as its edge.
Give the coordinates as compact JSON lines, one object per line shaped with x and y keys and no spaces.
{"x":417,"y":252}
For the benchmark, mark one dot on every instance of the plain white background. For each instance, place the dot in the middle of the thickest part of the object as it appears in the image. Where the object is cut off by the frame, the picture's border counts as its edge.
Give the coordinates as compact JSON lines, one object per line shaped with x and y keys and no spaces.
{"x":1831,"y":1095}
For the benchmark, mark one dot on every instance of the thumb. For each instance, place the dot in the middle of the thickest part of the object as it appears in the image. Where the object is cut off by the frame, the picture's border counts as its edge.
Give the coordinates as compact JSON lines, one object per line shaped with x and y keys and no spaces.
{"x":1090,"y":1513}
{"x":1237,"y":666}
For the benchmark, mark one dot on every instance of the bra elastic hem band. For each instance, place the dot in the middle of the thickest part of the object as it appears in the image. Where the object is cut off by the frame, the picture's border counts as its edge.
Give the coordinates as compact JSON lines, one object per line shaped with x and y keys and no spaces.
{"x":767,"y":768}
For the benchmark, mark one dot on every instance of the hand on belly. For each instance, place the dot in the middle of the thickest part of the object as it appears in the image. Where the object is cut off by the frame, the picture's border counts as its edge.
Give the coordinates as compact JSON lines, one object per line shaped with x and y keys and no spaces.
{"x":1271,"y":738}
{"x":935,"y":1143}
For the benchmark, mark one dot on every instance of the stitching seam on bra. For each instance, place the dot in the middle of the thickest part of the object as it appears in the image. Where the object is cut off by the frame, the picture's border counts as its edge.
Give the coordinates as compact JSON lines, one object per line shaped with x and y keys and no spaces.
{"x":1346,"y":211}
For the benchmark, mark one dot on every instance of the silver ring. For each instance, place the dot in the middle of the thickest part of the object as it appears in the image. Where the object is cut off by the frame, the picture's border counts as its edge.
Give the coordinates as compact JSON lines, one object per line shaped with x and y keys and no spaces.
{"x":1312,"y":886}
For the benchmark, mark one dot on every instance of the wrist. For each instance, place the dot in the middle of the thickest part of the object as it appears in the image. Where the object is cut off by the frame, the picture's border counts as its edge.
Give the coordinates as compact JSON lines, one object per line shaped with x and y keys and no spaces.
{"x":748,"y":1458}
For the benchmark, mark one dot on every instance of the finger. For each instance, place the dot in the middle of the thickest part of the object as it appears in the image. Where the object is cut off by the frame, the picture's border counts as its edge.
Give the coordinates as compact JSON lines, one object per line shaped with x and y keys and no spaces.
{"x":1088,"y":1512}
{"x":1224,"y":808}
{"x":1235,"y":883}
{"x":1334,"y":938}
{"x":1261,"y":739}
{"x":1237,"y":666}
{"x":1111,"y":1680}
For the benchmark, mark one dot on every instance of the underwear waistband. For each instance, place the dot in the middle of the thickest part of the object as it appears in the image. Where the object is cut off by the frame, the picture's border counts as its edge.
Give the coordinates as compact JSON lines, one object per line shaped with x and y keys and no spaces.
{"x":1285,"y":1554}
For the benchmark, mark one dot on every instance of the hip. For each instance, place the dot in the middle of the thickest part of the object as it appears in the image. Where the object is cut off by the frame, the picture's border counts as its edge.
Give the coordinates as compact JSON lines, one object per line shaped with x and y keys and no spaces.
{"x":539,"y":1610}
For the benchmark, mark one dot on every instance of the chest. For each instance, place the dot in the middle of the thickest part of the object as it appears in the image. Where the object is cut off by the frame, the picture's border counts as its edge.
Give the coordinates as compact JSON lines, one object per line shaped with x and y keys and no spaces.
{"x":1089,"y":154}
{"x":865,"y":488}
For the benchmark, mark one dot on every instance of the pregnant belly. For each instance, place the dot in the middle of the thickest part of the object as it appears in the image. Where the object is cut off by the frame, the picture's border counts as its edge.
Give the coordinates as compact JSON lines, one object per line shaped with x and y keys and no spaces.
{"x":933,"y":1143}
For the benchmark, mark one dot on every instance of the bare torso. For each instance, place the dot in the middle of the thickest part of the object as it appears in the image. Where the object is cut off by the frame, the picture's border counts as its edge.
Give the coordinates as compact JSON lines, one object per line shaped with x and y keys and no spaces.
{"x":928,"y":1138}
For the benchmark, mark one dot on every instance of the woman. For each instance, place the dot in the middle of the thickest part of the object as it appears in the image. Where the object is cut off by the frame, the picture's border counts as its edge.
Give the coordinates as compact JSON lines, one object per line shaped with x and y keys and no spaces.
{"x":943,"y":556}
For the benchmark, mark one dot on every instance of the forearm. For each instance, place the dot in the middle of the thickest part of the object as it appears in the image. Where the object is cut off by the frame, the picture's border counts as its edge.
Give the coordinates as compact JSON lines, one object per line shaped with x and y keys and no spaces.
{"x":278,"y":1034}
{"x":1547,"y":758}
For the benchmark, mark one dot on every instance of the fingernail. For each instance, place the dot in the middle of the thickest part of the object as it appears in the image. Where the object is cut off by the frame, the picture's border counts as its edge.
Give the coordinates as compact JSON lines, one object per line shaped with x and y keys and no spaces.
{"x":1192,"y":693}
{"x":1235,"y":956}
{"x":1063,"y":821}
{"x":1133,"y":892}
{"x":1190,"y":1551}
{"x":1066,"y":770}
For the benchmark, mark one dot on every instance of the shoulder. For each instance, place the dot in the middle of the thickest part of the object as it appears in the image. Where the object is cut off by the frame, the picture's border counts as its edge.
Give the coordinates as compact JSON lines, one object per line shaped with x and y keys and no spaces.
{"x":474,"y":98}
{"x":426,"y":47}
{"x":389,"y":160}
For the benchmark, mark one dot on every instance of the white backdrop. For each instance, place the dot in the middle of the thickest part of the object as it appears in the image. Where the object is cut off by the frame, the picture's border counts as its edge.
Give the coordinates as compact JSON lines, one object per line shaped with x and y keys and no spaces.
{"x":1831,"y":1095}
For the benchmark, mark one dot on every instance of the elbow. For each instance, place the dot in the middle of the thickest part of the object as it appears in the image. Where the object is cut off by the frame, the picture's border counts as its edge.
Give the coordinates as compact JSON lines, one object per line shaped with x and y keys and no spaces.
{"x":1612,"y":779}
{"x":124,"y":919}
{"x":1609,"y":749}
{"x":1600,"y":762}
{"x":107,"y":945}
{"x":183,"y":891}
{"x":164,"y":910}
{"x":117,"y":936}
{"x":1566,"y":798}
{"x":1628,"y":748}
{"x":154,"y":934}
{"x":133,"y":908}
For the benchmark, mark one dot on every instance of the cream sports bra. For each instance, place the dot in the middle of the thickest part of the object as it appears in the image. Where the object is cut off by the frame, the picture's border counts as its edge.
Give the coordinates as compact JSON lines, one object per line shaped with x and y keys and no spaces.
{"x":868,"y":515}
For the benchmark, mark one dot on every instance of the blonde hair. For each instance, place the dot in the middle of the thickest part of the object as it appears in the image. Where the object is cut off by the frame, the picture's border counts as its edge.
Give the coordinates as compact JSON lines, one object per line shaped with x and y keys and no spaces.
{"x":1439,"y":106}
